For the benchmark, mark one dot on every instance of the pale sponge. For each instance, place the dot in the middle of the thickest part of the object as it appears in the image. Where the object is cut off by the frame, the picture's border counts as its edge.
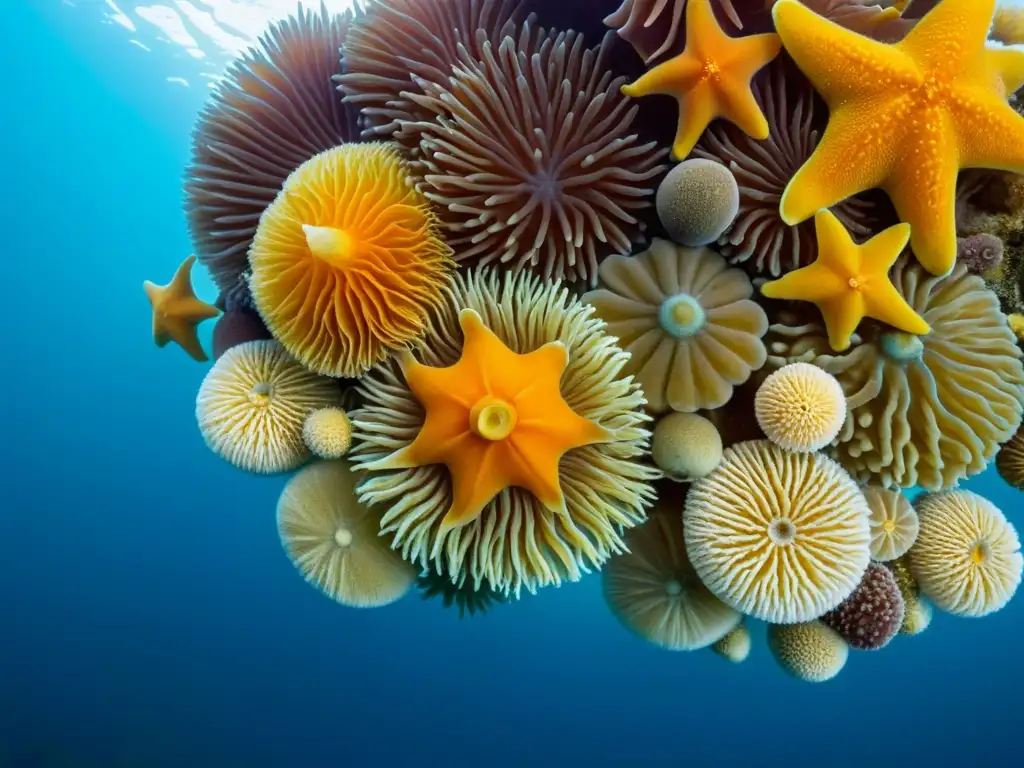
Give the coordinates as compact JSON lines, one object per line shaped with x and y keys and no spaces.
{"x":686,"y":446}
{"x":800,"y":407}
{"x":697,"y":202}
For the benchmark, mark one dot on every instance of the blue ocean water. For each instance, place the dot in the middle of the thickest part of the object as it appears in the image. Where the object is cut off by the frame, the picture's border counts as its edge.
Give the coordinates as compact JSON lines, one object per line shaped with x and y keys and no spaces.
{"x":150,"y":617}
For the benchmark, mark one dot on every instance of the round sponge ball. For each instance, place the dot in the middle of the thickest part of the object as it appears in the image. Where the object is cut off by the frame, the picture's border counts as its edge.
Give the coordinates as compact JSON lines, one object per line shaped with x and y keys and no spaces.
{"x":327,"y":432}
{"x":686,"y":446}
{"x":697,"y":202}
{"x":800,"y":407}
{"x":812,"y":652}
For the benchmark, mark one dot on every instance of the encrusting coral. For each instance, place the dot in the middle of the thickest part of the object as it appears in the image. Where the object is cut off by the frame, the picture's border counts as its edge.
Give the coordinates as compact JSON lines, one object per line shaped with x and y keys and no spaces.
{"x":274,"y":109}
{"x":923,"y":410}
{"x":939,"y":95}
{"x":515,"y":541}
{"x":557,"y":200}
{"x":177,"y":312}
{"x":348,"y":260}
{"x":917,"y":614}
{"x":687,"y":321}
{"x":711,"y":78}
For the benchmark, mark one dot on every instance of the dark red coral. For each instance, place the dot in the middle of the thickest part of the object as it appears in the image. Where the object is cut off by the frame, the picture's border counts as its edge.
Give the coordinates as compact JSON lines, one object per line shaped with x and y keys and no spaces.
{"x":870,"y":617}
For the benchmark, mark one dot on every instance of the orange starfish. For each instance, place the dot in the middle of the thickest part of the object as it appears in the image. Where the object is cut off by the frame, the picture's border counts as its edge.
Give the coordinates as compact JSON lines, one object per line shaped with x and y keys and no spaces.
{"x":710,"y":78}
{"x":177,"y":312}
{"x":496,"y":419}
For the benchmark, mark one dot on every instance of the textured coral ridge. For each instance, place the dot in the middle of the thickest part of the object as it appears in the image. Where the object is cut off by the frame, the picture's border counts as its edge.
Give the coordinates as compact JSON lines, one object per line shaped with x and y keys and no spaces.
{"x":516,"y":541}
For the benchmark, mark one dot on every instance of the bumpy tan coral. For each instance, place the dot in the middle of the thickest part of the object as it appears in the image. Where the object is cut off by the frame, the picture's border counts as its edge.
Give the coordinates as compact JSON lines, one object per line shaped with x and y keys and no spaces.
{"x":812,"y":652}
{"x":926,"y":410}
{"x":686,"y":320}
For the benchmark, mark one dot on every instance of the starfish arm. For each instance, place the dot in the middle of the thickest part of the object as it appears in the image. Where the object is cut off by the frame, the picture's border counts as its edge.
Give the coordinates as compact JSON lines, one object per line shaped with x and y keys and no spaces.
{"x":883,"y":302}
{"x":842,"y":316}
{"x":443,"y":436}
{"x":191,"y":309}
{"x":457,"y":383}
{"x":182,"y":280}
{"x":991,"y":133}
{"x":696,"y":111}
{"x":922,"y":187}
{"x":184,"y":334}
{"x":854,"y":155}
{"x":499,"y":370}
{"x":951,"y":37}
{"x":836,"y":249}
{"x":879,"y":253}
{"x":541,"y":368}
{"x":536,"y":471}
{"x":1008,"y":65}
{"x":675,"y":76}
{"x":814,"y":283}
{"x":740,"y":107}
{"x":840,"y":63}
{"x":748,"y":55}
{"x":479,"y":476}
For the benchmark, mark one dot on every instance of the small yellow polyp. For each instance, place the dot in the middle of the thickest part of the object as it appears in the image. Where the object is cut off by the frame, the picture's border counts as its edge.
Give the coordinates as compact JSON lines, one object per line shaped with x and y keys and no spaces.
{"x":492,"y":418}
{"x":329,"y":244}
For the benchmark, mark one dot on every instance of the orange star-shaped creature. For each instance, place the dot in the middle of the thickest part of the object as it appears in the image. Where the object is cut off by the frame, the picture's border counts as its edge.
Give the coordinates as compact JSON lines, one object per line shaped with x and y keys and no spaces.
{"x":710,"y":78}
{"x":177,"y":312}
{"x":496,"y":419}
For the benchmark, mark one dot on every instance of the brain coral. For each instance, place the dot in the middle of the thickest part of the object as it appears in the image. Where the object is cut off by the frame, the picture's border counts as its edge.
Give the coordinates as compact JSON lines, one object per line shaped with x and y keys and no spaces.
{"x":687,"y":321}
{"x":780,"y":536}
{"x":800,"y":407}
{"x":274,"y":109}
{"x":334,"y":541}
{"x":253,"y":402}
{"x":516,"y":542}
{"x":967,"y":558}
{"x":394,"y":44}
{"x":812,"y":652}
{"x":348,"y":260}
{"x":870,"y":617}
{"x":758,"y":238}
{"x":894,"y":523}
{"x":528,"y":154}
{"x":654,"y":591}
{"x":926,"y":410}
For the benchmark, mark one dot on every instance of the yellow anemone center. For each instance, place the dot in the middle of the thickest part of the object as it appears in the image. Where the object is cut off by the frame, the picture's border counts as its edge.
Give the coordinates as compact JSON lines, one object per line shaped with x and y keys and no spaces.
{"x":979,"y":553}
{"x":889,"y":526}
{"x":329,"y":244}
{"x":492,"y":418}
{"x":259,"y":395}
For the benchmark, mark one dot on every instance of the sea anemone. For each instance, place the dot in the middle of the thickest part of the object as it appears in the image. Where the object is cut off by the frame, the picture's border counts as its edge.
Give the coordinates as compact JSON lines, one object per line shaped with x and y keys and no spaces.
{"x":394,"y":43}
{"x":758,"y":238}
{"x":735,"y":646}
{"x":870,"y":617}
{"x":685,"y":446}
{"x":967,"y":558}
{"x":979,"y":253}
{"x":1010,"y":460}
{"x":697,"y":201}
{"x":654,"y":591}
{"x":894,"y":524}
{"x":516,"y":541}
{"x":327,"y":432}
{"x":687,"y":322}
{"x":234,"y":327}
{"x":274,"y":109}
{"x":334,"y":541}
{"x":800,"y":407}
{"x":812,"y":652}
{"x":348,"y":261}
{"x":252,"y":405}
{"x":923,"y":410}
{"x":528,"y":156}
{"x":469,"y":601}
{"x":779,"y":536}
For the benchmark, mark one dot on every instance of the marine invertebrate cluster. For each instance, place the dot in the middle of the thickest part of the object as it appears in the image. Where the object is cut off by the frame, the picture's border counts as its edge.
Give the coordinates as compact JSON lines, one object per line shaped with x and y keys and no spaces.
{"x":408,"y":312}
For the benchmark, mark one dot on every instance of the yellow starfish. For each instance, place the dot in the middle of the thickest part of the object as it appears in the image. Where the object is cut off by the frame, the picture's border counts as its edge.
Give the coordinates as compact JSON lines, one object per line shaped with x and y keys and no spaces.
{"x":496,"y":419}
{"x":177,"y":312}
{"x":849,"y":282}
{"x":905,"y":117}
{"x":710,"y":78}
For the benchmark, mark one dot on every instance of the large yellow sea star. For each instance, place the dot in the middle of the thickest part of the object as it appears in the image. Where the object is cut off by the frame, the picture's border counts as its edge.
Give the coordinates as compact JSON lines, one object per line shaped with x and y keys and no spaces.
{"x":177,"y":312}
{"x":905,"y":117}
{"x":496,"y":419}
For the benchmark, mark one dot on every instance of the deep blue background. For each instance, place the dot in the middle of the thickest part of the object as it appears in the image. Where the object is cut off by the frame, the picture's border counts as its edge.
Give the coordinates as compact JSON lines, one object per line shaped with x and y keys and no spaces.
{"x":150,"y":618}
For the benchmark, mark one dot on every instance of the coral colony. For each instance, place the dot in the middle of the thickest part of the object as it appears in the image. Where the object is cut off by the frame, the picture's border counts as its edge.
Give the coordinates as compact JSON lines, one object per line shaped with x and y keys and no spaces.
{"x":500,"y":343}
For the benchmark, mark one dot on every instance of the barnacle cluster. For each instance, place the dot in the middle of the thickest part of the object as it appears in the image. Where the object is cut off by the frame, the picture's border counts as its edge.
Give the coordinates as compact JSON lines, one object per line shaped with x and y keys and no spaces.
{"x":496,"y":344}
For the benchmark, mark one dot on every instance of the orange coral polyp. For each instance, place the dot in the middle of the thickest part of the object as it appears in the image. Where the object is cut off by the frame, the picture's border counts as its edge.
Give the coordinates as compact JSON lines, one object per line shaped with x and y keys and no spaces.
{"x":496,"y":419}
{"x":348,"y":260}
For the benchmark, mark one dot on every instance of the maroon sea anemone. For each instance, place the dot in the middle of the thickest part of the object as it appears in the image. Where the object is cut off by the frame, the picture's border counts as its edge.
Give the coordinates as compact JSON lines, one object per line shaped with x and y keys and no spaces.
{"x":870,"y":617}
{"x":530,"y":159}
{"x":395,"y":42}
{"x":758,"y":237}
{"x":275,"y":109}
